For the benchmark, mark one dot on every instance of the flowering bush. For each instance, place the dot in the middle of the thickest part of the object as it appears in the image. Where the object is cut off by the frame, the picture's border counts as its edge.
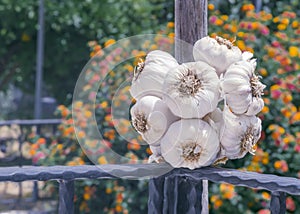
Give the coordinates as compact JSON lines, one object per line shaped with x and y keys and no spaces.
{"x":275,"y":43}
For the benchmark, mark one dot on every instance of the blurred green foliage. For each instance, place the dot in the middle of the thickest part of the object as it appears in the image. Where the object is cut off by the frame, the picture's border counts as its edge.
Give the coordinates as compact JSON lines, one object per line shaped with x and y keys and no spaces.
{"x":69,"y":25}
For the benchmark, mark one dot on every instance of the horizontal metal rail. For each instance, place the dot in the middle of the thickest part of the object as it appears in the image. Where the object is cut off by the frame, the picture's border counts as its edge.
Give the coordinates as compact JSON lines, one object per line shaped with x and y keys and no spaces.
{"x":65,"y":175}
{"x":137,"y":171}
{"x":31,"y":122}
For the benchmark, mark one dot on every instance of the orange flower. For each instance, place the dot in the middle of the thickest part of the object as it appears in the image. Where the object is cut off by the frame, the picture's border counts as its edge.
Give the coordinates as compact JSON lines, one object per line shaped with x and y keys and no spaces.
{"x":211,"y":7}
{"x":119,"y":208}
{"x":170,"y":24}
{"x":227,"y":191}
{"x":109,"y":42}
{"x":133,"y":145}
{"x":266,"y":195}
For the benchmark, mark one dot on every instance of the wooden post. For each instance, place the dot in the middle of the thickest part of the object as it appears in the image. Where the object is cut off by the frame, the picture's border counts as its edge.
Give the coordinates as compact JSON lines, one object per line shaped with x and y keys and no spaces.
{"x":190,"y":26}
{"x":172,"y":193}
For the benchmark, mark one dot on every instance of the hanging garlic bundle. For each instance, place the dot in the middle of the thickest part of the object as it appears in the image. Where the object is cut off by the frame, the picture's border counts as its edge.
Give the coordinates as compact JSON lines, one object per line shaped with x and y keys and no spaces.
{"x":191,"y":90}
{"x":151,"y":118}
{"x":242,"y":88}
{"x":217,"y":52}
{"x":149,"y":75}
{"x":190,"y":143}
{"x":239,"y":134}
{"x":181,"y":121}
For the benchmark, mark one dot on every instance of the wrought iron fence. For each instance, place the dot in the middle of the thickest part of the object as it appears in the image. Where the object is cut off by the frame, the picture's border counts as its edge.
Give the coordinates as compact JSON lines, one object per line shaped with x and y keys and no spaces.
{"x":178,"y":191}
{"x":162,"y":198}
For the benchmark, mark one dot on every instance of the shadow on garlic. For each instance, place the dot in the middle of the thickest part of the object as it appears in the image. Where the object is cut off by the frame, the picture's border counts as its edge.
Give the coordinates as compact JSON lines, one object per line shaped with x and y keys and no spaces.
{"x":151,"y":118}
{"x":239,"y":134}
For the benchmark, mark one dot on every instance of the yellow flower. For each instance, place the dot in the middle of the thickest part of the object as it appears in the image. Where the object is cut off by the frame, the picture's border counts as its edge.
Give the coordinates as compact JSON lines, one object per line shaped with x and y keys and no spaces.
{"x":108,"y":191}
{"x":276,"y":19}
{"x":211,"y":7}
{"x":295,"y":24}
{"x":241,"y":45}
{"x":109,"y":42}
{"x":263,"y":72}
{"x":86,"y":196}
{"x":87,"y":114}
{"x":285,"y":21}
{"x":219,"y":22}
{"x":281,"y":27}
{"x":171,"y":35}
{"x":170,"y":24}
{"x":281,"y":130}
{"x":102,"y":160}
{"x":59,"y":146}
{"x":224,"y":17}
{"x":265,"y":109}
{"x":240,"y":34}
{"x":104,"y":104}
{"x":293,"y":51}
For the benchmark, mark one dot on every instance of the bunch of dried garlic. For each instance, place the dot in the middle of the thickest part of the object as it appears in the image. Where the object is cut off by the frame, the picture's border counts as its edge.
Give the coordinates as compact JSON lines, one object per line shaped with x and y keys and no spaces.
{"x":198,"y":113}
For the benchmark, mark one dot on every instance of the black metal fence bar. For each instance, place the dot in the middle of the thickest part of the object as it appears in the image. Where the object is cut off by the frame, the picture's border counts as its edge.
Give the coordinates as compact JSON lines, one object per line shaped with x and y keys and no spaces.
{"x":269,"y":182}
{"x":160,"y":196}
{"x":66,"y":197}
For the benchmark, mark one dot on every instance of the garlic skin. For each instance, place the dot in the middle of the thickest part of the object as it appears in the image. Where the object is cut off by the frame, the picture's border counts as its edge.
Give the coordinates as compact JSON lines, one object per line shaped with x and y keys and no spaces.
{"x":215,"y":119}
{"x":242,"y":89}
{"x":191,"y":90}
{"x":151,"y":118}
{"x":239,"y":134}
{"x":190,"y":143}
{"x":217,"y":52}
{"x":156,"y":155}
{"x":149,"y":75}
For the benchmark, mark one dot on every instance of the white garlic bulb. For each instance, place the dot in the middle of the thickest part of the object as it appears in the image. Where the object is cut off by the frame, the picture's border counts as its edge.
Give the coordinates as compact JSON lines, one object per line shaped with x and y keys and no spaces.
{"x":239,"y":134}
{"x":191,"y":90}
{"x":149,"y":75}
{"x":218,"y":52}
{"x":190,"y":143}
{"x":242,"y":88}
{"x":151,"y":118}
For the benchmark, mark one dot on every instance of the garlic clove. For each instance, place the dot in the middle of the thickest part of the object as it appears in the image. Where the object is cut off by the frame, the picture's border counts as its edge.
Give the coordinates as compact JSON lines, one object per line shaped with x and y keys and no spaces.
{"x":191,"y":90}
{"x":215,"y":119}
{"x":242,"y":89}
{"x":149,"y":75}
{"x":240,"y":134}
{"x":151,"y":118}
{"x":217,"y":52}
{"x":255,"y":106}
{"x":190,"y":143}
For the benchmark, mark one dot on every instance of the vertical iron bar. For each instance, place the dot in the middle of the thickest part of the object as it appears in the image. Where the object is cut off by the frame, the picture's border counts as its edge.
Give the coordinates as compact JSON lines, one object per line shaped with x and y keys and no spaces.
{"x":278,"y":205}
{"x":39,"y":62}
{"x":66,"y":197}
{"x":156,"y":193}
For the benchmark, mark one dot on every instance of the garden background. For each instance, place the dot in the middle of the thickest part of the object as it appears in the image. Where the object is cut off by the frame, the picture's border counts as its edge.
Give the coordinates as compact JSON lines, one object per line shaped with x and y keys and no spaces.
{"x":79,"y":30}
